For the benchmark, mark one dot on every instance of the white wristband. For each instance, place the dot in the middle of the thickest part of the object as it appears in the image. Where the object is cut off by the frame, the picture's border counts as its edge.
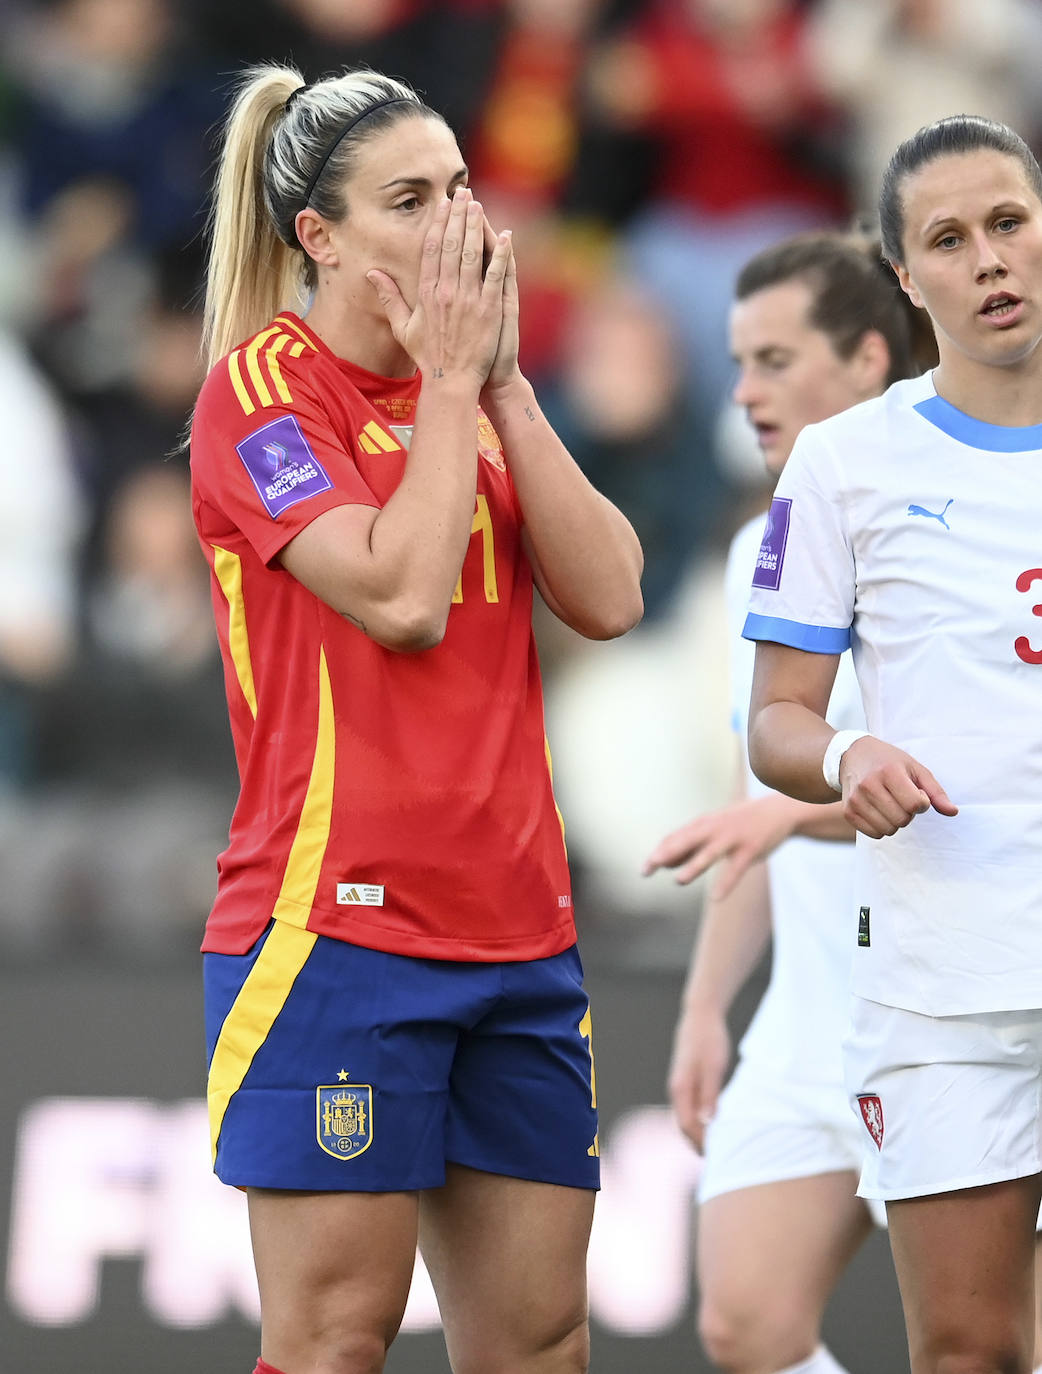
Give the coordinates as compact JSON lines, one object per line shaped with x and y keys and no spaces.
{"x":837,"y":747}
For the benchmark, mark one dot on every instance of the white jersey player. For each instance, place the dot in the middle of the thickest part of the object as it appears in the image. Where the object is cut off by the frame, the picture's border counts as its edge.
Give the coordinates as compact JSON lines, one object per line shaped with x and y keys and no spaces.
{"x":910,"y":527}
{"x":817,"y":326}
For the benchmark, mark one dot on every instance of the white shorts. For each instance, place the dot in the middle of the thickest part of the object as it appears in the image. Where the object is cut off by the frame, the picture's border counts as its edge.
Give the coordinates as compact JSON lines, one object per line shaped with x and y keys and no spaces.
{"x":946,"y":1102}
{"x":770,"y":1129}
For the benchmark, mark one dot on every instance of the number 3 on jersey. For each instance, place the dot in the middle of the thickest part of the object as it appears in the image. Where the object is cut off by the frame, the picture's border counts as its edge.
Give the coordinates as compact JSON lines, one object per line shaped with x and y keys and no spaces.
{"x":1022,"y":645}
{"x":482,"y":524}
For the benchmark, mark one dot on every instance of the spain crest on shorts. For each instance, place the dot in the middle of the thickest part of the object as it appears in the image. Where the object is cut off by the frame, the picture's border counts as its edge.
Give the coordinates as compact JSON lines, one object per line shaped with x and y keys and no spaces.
{"x":345,"y":1119}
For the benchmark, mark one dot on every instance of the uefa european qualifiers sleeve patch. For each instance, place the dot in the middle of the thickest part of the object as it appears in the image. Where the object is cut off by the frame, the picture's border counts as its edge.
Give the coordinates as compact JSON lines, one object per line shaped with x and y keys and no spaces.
{"x":772,"y":548}
{"x":281,"y":465}
{"x":345,"y":1118}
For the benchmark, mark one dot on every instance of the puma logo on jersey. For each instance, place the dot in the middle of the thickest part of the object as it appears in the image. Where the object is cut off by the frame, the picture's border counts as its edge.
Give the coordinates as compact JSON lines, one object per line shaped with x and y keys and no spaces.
{"x":932,"y":514}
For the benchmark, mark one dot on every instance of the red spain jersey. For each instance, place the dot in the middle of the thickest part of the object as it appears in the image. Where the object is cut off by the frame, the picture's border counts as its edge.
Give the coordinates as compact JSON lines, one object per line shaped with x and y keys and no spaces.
{"x":398,"y":801}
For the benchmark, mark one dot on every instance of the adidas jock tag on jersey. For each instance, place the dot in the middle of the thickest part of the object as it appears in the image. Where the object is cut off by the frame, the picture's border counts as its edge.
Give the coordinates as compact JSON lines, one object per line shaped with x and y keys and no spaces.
{"x":400,"y":801}
{"x":913,"y":532}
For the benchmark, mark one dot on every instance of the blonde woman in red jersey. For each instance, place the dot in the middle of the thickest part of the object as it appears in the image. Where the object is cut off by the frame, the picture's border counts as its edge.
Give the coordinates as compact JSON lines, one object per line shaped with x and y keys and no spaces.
{"x":399,"y":1040}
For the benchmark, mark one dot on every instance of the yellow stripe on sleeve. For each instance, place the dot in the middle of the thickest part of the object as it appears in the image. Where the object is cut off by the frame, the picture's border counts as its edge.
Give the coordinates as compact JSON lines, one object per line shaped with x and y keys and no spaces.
{"x":287,"y":323}
{"x":300,"y":880}
{"x":235,"y":372}
{"x":298,"y":348}
{"x":253,"y":365}
{"x":252,"y":1015}
{"x":272,"y":356}
{"x":228,"y":567}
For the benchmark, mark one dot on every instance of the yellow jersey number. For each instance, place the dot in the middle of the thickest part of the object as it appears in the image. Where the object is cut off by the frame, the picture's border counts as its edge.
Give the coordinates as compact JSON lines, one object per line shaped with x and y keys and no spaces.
{"x":482,"y":524}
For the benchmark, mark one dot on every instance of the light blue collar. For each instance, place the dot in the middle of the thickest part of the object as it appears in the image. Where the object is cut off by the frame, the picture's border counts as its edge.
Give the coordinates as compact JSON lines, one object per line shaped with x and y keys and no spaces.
{"x":978,"y":433}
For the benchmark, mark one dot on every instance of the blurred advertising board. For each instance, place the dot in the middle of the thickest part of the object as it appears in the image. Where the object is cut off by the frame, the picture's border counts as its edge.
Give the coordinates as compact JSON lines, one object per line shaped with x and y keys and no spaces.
{"x":124,"y":1253}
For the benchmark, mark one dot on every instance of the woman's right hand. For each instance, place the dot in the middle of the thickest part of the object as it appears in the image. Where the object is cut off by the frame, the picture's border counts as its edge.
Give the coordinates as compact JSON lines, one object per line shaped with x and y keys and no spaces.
{"x":455,"y":324}
{"x":884,"y":788}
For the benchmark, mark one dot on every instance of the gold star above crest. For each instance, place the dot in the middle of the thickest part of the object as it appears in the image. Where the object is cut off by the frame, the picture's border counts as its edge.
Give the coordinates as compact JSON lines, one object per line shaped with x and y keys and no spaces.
{"x":343,"y":1076}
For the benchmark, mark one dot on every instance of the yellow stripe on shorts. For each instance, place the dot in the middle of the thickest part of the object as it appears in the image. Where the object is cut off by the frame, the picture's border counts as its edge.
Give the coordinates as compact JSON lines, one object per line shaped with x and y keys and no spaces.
{"x":288,"y":945}
{"x":252,"y":1015}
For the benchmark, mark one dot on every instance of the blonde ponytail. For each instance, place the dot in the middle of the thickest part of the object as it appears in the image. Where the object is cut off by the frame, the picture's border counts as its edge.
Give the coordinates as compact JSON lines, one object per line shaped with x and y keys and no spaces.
{"x":280,"y":155}
{"x":251,"y":273}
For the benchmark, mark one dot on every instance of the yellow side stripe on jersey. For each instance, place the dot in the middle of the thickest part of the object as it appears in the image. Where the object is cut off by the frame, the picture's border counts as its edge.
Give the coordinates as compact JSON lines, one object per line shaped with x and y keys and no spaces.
{"x":252,"y":1015}
{"x":300,"y":880}
{"x":550,"y":770}
{"x":253,"y":366}
{"x":235,"y":373}
{"x":285,"y":952}
{"x":287,"y":323}
{"x":298,"y":348}
{"x":228,"y":568}
{"x":366,"y":444}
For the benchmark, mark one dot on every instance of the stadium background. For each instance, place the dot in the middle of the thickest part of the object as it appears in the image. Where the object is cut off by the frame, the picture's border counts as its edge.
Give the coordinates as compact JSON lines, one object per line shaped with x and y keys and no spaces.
{"x":641,"y":150}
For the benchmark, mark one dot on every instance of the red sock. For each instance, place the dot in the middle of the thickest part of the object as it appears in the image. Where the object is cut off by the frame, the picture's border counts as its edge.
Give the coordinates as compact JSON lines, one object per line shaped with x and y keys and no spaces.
{"x":263,"y":1368}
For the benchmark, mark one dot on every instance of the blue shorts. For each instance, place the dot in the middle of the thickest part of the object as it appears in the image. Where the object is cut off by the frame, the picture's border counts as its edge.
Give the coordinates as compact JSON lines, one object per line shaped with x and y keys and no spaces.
{"x":334,"y":1067}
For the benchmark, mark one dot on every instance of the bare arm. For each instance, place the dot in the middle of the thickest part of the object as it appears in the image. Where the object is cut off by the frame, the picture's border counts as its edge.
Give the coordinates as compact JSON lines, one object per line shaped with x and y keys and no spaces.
{"x":585,"y":557}
{"x":883,"y":787}
{"x":733,"y":934}
{"x":392,"y":571}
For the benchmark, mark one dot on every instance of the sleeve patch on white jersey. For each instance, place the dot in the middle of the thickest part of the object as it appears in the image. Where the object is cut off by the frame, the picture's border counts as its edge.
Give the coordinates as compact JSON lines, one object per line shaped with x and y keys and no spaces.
{"x":772,"y":549}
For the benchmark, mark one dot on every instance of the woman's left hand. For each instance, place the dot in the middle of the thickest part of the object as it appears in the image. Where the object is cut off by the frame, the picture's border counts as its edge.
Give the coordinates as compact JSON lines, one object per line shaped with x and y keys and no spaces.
{"x":505,"y":368}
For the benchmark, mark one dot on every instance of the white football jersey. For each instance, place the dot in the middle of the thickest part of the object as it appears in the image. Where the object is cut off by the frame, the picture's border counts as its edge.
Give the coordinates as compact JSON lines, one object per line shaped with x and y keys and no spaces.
{"x":804,"y":1011}
{"x":913,"y":532}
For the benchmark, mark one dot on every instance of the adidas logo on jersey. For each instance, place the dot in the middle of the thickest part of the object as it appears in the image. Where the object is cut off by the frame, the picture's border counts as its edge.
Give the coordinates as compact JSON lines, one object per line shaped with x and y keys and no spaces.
{"x":375,"y":439}
{"x":359,"y":894}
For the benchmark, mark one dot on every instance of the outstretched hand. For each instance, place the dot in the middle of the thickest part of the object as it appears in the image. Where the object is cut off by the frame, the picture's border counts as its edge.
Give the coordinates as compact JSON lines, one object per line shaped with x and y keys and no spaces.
{"x":740,"y":835}
{"x":884,"y":788}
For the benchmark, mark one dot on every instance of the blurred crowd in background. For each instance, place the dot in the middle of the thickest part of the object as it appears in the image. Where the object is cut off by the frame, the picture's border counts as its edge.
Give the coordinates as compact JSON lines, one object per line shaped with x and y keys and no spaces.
{"x":641,"y":150}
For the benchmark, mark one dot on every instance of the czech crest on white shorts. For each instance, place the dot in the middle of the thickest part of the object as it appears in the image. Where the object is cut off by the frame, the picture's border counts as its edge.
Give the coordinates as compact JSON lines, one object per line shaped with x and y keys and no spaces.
{"x":345,"y":1119}
{"x":872,"y":1113}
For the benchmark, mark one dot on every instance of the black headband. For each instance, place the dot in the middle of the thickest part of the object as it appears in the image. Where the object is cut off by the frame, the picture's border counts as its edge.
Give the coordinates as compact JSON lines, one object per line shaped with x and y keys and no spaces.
{"x":369,"y":109}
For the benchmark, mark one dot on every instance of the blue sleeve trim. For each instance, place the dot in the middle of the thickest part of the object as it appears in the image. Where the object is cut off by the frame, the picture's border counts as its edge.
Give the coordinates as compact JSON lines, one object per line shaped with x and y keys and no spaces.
{"x":816,"y":639}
